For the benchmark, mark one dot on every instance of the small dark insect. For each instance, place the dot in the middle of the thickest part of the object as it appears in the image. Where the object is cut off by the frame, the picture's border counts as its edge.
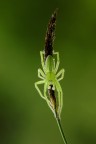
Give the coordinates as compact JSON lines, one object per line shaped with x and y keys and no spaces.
{"x":52,"y":97}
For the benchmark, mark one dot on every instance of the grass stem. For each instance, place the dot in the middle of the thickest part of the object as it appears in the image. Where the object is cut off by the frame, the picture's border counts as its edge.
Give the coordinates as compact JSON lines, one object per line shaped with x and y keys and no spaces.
{"x":61,"y":129}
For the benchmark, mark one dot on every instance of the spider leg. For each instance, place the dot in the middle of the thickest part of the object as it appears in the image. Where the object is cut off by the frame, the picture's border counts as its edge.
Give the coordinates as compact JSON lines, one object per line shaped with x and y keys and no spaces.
{"x":58,"y":60}
{"x":42,"y":60}
{"x":61,"y":72}
{"x":41,"y":74}
{"x":39,"y":91}
{"x":60,"y":97}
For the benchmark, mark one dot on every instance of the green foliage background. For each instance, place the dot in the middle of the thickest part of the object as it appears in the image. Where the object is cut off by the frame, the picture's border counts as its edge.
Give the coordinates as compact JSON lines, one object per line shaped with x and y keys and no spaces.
{"x":24,"y":117}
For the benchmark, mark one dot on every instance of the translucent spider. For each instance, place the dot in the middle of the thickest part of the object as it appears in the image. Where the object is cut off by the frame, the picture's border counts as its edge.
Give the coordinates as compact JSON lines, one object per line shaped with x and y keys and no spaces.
{"x":50,"y":77}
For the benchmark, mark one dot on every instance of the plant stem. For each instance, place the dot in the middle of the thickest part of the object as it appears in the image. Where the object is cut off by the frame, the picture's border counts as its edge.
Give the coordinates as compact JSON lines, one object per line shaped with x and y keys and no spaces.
{"x":61,"y":129}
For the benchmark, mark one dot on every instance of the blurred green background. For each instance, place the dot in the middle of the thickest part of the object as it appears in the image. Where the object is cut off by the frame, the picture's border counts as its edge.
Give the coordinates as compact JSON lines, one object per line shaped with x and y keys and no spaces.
{"x":24,"y":117}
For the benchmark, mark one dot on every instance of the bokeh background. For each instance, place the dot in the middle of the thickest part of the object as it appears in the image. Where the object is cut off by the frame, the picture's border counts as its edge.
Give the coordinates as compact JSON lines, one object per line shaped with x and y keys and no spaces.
{"x":24,"y":117}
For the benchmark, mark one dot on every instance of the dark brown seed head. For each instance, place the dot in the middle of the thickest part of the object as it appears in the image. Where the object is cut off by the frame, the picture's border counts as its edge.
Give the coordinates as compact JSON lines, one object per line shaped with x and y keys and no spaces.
{"x":50,"y":35}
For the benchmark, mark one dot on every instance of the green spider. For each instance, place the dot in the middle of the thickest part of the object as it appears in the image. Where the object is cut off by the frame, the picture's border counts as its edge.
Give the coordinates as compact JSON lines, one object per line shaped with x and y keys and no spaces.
{"x":50,"y":77}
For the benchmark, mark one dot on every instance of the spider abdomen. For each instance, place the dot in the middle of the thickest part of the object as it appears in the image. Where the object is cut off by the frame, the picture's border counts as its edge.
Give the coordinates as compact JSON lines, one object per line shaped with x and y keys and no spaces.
{"x":49,"y":64}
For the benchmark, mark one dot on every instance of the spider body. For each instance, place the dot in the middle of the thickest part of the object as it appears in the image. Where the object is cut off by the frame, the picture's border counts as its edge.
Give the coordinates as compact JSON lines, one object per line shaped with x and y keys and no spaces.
{"x":49,"y":77}
{"x":49,"y":65}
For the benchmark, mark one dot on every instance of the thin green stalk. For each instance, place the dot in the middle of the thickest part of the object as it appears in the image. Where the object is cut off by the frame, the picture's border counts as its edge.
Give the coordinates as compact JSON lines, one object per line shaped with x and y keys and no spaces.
{"x":60,"y":129}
